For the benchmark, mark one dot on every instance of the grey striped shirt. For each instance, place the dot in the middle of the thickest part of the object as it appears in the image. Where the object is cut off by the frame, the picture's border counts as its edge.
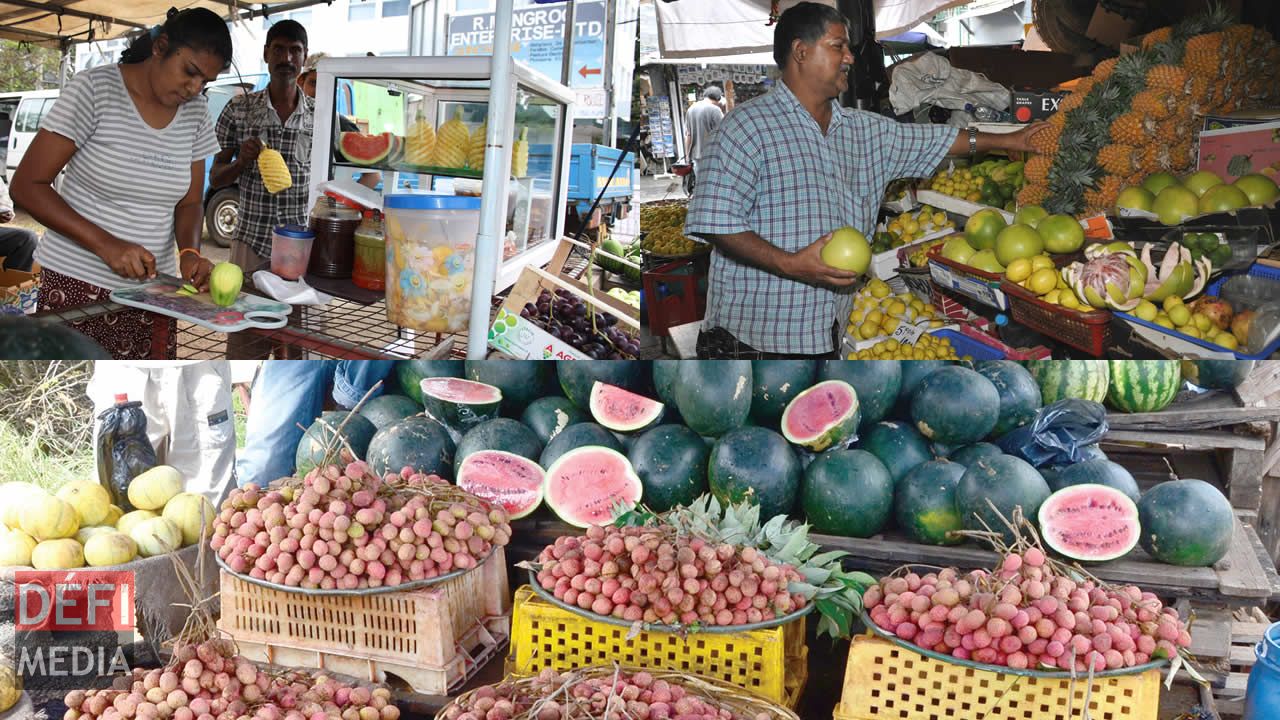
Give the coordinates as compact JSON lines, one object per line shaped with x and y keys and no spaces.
{"x":125,"y":177}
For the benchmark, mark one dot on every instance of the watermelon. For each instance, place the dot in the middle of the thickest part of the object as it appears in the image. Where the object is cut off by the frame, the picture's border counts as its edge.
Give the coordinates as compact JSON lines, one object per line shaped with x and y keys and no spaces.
{"x":622,"y":410}
{"x":755,"y":464}
{"x":576,"y":436}
{"x":499,"y":434}
{"x":714,"y":396}
{"x":387,"y":409}
{"x":548,"y":416}
{"x":410,"y":374}
{"x":417,"y":442}
{"x":955,"y":406}
{"x":1186,"y":522}
{"x":354,"y":430}
{"x":847,"y":493}
{"x":925,"y":503}
{"x":665,"y":373}
{"x":520,"y":381}
{"x":1092,"y":523}
{"x":1008,"y":482}
{"x":913,"y":372}
{"x":1217,"y":374}
{"x":1095,"y":472}
{"x":823,"y":416}
{"x":590,"y":485}
{"x":1061,"y":379}
{"x":1019,"y":394}
{"x":25,"y":338}
{"x":970,"y":454}
{"x":774,"y":384}
{"x":512,"y":481}
{"x":877,"y":383}
{"x":898,"y":445}
{"x":1143,"y":385}
{"x":671,"y":461}
{"x":577,"y":377}
{"x":458,"y":404}
{"x":366,"y":150}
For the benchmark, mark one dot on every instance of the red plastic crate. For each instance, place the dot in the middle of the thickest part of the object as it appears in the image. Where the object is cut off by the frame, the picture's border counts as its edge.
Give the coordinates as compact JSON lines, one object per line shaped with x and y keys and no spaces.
{"x":675,"y":294}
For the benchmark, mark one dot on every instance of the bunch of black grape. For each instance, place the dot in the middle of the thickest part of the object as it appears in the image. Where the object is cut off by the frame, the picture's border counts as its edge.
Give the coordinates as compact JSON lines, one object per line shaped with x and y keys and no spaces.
{"x":567,"y":317}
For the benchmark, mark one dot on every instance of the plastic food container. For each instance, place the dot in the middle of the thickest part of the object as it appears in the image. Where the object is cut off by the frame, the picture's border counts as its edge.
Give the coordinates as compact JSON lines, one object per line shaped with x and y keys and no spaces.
{"x":430,"y":248}
{"x":370,"y":269}
{"x":291,"y":250}
{"x":334,"y":220}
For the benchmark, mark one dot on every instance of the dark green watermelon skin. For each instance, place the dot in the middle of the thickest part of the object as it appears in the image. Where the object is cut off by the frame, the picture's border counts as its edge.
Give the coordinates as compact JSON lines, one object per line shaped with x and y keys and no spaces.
{"x":499,"y":434}
{"x":410,"y":373}
{"x":1019,"y":394}
{"x":578,"y":376}
{"x":417,"y":442}
{"x":955,"y":406}
{"x":714,"y":396}
{"x":357,"y":431}
{"x":847,"y":493}
{"x":755,"y":464}
{"x":1217,"y":374}
{"x":671,"y":461}
{"x":898,"y":445}
{"x":877,"y":383}
{"x":969,"y":454}
{"x":387,"y":409}
{"x":550,"y":415}
{"x":775,"y":383}
{"x":521,"y":382}
{"x":1088,"y":452}
{"x":25,"y":338}
{"x":1096,"y":472}
{"x":1186,"y":522}
{"x":576,"y":436}
{"x":665,"y":374}
{"x":1006,"y":481}
{"x":925,"y":503}
{"x":913,"y":372}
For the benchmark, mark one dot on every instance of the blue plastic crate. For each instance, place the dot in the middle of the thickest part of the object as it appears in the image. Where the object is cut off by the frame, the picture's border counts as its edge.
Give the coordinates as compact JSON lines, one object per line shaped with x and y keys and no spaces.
{"x":965,"y":345}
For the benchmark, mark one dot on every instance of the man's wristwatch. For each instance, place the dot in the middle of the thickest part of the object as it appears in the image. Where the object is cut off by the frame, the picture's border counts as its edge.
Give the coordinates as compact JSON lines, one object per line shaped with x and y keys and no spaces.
{"x":973,"y":143}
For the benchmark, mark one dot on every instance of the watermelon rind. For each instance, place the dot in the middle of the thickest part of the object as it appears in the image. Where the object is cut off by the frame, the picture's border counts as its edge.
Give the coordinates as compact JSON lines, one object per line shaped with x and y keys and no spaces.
{"x":1139,"y":386}
{"x":714,"y":396}
{"x":575,"y":436}
{"x":955,"y":406}
{"x":1107,"y":509}
{"x":1186,"y":522}
{"x":1095,"y":472}
{"x":455,"y":414}
{"x":1019,"y":394}
{"x":823,"y":435}
{"x":967,"y":455}
{"x":385,"y":410}
{"x":409,"y":374}
{"x":520,"y":382}
{"x":623,"y":411}
{"x":877,"y":383}
{"x":577,"y":377}
{"x":1007,"y":482}
{"x":775,"y":383}
{"x":603,"y":506}
{"x":898,"y":445}
{"x":519,"y":501}
{"x":924,"y":503}
{"x":499,"y":434}
{"x":1062,"y":379}
{"x":357,"y":159}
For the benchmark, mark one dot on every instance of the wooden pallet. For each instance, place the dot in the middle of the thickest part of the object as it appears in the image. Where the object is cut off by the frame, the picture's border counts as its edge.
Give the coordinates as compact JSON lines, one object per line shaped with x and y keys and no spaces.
{"x":1223,"y":645}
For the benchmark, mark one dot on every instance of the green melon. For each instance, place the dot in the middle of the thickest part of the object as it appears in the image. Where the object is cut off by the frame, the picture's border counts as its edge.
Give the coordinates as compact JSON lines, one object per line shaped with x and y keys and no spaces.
{"x":577,"y":377}
{"x":1088,"y":452}
{"x":459,"y":404}
{"x":387,"y":409}
{"x":755,"y":464}
{"x":714,"y":396}
{"x":671,"y":461}
{"x":1217,"y":374}
{"x":822,"y":417}
{"x":898,"y":445}
{"x":913,"y":372}
{"x":1139,"y":386}
{"x":1019,"y":394}
{"x":417,"y":442}
{"x":354,"y":429}
{"x":847,"y":493}
{"x":574,"y":437}
{"x":499,"y":434}
{"x":955,"y":406}
{"x":774,"y":384}
{"x":665,"y":374}
{"x":1096,"y":472}
{"x":1008,"y":482}
{"x":410,"y":374}
{"x":521,"y":381}
{"x":1186,"y":522}
{"x":877,"y":383}
{"x":970,"y":454}
{"x":925,"y":503}
{"x":1061,"y":379}
{"x":550,"y":415}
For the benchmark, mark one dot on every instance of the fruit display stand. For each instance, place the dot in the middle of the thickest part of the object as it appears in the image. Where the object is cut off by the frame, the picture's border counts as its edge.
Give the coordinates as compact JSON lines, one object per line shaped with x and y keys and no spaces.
{"x":1088,"y":332}
{"x":957,"y":205}
{"x":519,"y":338}
{"x":969,"y":281}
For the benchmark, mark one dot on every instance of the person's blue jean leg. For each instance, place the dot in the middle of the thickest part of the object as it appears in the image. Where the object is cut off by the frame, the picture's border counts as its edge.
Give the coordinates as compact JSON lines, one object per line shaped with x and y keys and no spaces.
{"x":286,"y":394}
{"x":353,"y":378}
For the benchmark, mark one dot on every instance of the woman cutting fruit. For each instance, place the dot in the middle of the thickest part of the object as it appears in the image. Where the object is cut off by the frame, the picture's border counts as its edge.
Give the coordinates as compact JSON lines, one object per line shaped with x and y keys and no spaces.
{"x":132,"y":139}
{"x":783,"y":172}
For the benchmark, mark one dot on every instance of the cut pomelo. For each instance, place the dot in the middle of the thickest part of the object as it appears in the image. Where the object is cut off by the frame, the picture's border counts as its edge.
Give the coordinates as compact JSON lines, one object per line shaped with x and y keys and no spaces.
{"x":1092,"y":523}
{"x":588,"y":485}
{"x":503,"y":478}
{"x":823,"y":416}
{"x":621,"y":410}
{"x":460,"y":404}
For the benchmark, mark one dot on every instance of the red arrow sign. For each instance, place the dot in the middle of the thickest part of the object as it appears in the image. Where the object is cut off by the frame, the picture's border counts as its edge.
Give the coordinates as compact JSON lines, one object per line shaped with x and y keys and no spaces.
{"x":585,"y":71}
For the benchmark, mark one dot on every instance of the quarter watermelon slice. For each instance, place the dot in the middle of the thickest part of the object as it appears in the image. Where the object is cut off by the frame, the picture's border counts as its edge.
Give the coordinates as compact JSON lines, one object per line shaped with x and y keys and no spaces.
{"x":458,"y":404}
{"x":823,"y":416}
{"x":1091,"y":523}
{"x":364,"y":149}
{"x":587,"y":486}
{"x":623,"y":411}
{"x":503,"y":478}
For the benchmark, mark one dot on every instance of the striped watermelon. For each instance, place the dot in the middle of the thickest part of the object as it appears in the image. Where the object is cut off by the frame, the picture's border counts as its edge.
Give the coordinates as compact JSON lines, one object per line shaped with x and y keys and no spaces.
{"x":1143,"y":385}
{"x":1060,"y":379}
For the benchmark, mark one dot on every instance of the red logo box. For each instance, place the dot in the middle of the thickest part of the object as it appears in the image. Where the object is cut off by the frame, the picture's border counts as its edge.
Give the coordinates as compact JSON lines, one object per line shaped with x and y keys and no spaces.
{"x":74,"y":600}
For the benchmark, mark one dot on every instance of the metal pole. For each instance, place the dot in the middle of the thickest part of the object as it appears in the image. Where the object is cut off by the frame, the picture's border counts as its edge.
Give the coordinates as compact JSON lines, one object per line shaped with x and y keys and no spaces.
{"x":493,"y":193}
{"x":566,"y":62}
{"x":610,"y":37}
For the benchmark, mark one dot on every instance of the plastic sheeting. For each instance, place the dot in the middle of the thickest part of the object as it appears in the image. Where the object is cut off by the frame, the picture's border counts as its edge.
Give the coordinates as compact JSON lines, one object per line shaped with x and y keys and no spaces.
{"x":1058,"y":433}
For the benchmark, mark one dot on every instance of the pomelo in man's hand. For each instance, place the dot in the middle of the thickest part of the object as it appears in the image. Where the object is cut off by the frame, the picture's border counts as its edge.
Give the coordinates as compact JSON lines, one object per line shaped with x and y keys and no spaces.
{"x":848,"y":250}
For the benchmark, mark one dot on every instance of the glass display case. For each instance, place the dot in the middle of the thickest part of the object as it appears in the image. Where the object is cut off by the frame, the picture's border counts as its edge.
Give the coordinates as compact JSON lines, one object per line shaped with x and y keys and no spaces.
{"x":417,"y":124}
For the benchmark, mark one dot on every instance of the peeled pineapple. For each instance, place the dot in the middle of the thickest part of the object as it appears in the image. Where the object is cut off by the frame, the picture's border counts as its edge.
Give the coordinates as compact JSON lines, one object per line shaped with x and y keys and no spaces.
{"x":453,"y":140}
{"x":274,"y":171}
{"x":520,"y":155}
{"x":419,"y":142}
{"x":475,"y":152}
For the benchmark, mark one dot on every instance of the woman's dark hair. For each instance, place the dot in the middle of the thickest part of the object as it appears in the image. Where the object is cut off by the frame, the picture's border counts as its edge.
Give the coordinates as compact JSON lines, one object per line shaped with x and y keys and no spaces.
{"x":196,"y":28}
{"x":806,"y":22}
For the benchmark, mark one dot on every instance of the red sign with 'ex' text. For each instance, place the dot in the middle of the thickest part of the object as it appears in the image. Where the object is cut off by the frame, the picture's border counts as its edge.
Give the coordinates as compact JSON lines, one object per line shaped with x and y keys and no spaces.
{"x":74,"y":601}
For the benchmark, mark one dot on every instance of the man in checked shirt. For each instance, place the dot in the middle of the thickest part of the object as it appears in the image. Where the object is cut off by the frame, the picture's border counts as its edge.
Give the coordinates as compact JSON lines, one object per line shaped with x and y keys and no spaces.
{"x":782,"y":173}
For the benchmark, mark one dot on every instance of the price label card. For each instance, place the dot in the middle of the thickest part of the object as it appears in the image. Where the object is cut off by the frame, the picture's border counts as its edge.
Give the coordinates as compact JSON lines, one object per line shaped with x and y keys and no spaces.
{"x":907,"y":334}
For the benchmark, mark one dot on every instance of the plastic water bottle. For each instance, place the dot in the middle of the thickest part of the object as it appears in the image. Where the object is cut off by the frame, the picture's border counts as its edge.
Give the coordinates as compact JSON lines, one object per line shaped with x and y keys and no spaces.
{"x":1262,"y":695}
{"x":123,"y":451}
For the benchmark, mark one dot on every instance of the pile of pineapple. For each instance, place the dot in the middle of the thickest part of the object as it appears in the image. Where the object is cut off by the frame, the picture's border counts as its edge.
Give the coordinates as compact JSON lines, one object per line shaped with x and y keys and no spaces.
{"x":877,"y":312}
{"x":456,"y":146}
{"x":1137,"y":114}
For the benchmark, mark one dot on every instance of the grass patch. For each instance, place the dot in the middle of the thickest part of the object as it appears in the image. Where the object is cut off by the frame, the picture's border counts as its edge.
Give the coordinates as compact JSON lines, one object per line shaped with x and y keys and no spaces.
{"x":21,"y":458}
{"x":242,"y":418}
{"x":46,"y":422}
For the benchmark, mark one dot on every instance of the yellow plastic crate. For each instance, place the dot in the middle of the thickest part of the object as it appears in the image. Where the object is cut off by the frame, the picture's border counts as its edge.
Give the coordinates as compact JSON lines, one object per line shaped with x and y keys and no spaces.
{"x":771,"y":663}
{"x":884,"y":680}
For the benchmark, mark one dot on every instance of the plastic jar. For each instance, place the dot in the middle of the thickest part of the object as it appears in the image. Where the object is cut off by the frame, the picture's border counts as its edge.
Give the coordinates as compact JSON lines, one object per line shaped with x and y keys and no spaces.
{"x":430,"y":247}
{"x":334,"y":221}
{"x":291,"y":251}
{"x":370,"y":268}
{"x":1262,"y":694}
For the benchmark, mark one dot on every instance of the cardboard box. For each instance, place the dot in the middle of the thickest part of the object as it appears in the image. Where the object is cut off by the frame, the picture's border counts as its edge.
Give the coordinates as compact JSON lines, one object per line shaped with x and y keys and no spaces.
{"x":519,"y":338}
{"x":1032,"y":105}
{"x":19,"y":291}
{"x":1236,"y":151}
{"x":1108,"y":28}
{"x":1240,"y":118}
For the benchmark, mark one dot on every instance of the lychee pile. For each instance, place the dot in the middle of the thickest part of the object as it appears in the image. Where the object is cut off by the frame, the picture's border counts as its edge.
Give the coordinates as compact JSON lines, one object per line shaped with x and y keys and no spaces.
{"x":346,"y":528}
{"x":209,"y":681}
{"x":1027,"y":615}
{"x":646,"y":574}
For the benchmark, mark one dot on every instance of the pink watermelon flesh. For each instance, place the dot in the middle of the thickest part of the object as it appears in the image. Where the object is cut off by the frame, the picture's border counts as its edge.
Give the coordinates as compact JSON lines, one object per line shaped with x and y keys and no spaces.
{"x":1092,"y":523}
{"x":585,"y":485}
{"x":365,"y":149}
{"x":621,"y":410}
{"x":457,"y":390}
{"x":503,"y":478}
{"x":821,"y":416}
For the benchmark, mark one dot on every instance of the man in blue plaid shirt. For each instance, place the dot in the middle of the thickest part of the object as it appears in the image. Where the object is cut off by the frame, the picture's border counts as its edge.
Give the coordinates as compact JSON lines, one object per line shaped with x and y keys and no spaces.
{"x":782,"y":173}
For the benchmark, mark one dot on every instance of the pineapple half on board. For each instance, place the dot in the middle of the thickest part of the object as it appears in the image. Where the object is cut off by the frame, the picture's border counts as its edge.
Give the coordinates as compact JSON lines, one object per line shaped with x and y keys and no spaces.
{"x":452,"y":143}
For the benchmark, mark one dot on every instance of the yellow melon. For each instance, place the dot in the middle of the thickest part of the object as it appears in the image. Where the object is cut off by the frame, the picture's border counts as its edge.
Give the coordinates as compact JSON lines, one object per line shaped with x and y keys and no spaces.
{"x":112,"y":548}
{"x":49,"y":518}
{"x":155,"y":487}
{"x":63,"y":554}
{"x":15,"y":548}
{"x":127,"y":522}
{"x":156,"y":536}
{"x":91,"y":500}
{"x":191,"y":512}
{"x":14,"y":500}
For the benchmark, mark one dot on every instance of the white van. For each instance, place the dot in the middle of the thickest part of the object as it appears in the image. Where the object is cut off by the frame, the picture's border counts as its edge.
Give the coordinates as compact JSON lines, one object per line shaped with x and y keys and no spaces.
{"x":31,"y":109}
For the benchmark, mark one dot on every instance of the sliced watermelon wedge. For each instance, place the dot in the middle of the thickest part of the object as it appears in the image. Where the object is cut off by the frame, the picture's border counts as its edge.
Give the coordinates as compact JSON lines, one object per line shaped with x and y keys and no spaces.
{"x":1091,"y":523}
{"x":587,"y":486}
{"x":458,"y":404}
{"x":822,"y":417}
{"x":621,"y":410}
{"x":503,"y":478}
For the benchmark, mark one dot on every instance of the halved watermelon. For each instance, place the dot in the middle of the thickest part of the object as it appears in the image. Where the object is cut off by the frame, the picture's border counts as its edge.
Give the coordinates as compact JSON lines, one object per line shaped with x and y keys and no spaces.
{"x":622,"y":410}
{"x":460,"y":404}
{"x":364,"y":149}
{"x":588,"y":485}
{"x":1092,"y":523}
{"x":503,"y":478}
{"x":823,"y":416}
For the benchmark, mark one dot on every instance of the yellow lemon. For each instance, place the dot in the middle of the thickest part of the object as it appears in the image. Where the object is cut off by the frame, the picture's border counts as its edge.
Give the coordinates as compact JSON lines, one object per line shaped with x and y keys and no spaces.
{"x":1041,"y":262}
{"x":1179,"y":314}
{"x":869,"y":330}
{"x":1164,"y":321}
{"x":935,"y":324}
{"x":1019,"y":270}
{"x":1042,"y":281}
{"x":890,"y":324}
{"x":879,"y":289}
{"x":1051,"y":297}
{"x":939,"y":218}
{"x":874,"y":317}
{"x":897,"y":307}
{"x":1191,"y":330}
{"x":1226,"y":340}
{"x":1171,"y":301}
{"x":1146,"y":310}
{"x":1202,"y":321}
{"x":1067,"y":299}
